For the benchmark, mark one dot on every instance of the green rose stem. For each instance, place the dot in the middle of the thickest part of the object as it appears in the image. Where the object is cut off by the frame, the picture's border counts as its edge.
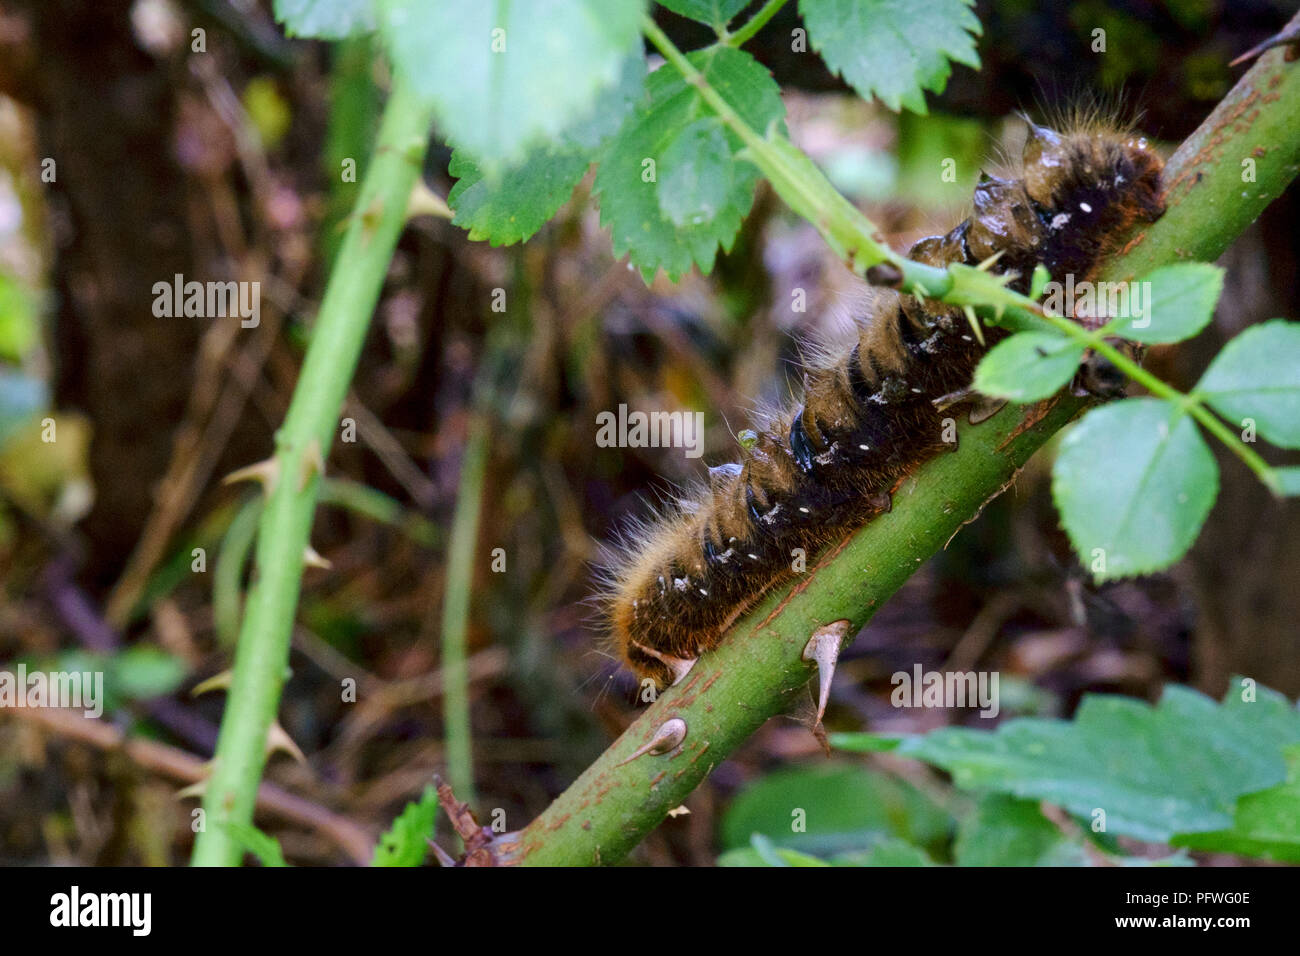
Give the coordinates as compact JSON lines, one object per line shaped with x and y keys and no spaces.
{"x":753,"y":25}
{"x":758,"y":671}
{"x":292,"y":476}
{"x":455,"y":610}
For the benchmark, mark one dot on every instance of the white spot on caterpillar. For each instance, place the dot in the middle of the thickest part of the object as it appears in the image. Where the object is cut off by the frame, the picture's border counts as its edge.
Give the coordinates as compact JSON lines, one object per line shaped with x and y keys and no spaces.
{"x":704,"y":592}
{"x":917,"y":391}
{"x":754,"y":557}
{"x":1060,"y":219}
{"x":681,"y":583}
{"x":804,"y":510}
{"x":1085,"y":207}
{"x":864,"y":448}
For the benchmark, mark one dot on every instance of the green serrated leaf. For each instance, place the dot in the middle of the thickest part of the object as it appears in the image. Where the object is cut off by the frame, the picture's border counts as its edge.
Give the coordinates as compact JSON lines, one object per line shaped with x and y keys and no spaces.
{"x":695,"y":173}
{"x":509,"y":205}
{"x":1004,"y":831}
{"x":504,"y":76}
{"x":835,"y":809}
{"x":1155,"y":772}
{"x":631,"y":175}
{"x":521,"y":200}
{"x":713,"y":13}
{"x":1177,"y":301}
{"x":1257,"y":376}
{"x":1133,"y":482}
{"x":325,"y":19}
{"x":893,"y":49}
{"x":1038,"y":281}
{"x":405,"y":843}
{"x":1265,"y":825}
{"x":1028,"y":366}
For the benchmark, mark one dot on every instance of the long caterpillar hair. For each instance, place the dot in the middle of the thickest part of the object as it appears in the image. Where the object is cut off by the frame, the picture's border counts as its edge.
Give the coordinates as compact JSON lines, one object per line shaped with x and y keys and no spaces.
{"x":871,"y":412}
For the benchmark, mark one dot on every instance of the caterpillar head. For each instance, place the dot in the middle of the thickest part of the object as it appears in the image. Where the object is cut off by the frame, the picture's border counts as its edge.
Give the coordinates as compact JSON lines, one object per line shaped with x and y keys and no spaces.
{"x":1109,"y":179}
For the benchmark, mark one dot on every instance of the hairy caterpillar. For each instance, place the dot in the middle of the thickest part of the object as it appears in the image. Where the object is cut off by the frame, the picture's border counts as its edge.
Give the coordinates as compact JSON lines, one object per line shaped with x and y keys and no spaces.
{"x":870,"y":414}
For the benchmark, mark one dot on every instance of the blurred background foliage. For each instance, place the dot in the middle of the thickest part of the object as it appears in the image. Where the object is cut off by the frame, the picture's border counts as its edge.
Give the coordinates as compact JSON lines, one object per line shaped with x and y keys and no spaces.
{"x":119,"y":545}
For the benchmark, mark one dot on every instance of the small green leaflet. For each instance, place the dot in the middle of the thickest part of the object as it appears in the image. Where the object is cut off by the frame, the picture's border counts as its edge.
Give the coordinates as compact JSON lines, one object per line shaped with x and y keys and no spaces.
{"x":893,"y":49}
{"x":406,"y":842}
{"x":645,"y":159}
{"x":1266,"y":824}
{"x":1028,"y":366}
{"x":503,"y":76}
{"x":523,"y":199}
{"x":511,"y":206}
{"x":686,"y":197}
{"x":1155,"y":772}
{"x":325,"y":19}
{"x":1133,"y":482}
{"x":1257,"y":376}
{"x":1004,"y":831}
{"x":843,"y":809}
{"x":713,"y":13}
{"x":265,"y":848}
{"x":1168,"y":305}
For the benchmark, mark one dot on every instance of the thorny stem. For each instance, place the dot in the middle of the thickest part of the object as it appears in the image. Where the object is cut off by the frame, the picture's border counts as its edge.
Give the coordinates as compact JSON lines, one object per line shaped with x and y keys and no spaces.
{"x":262,"y":654}
{"x":757,"y":671}
{"x":242,"y":531}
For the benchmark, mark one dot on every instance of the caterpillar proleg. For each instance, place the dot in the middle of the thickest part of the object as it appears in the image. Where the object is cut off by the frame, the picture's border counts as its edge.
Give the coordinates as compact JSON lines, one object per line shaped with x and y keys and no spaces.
{"x":868,"y":415}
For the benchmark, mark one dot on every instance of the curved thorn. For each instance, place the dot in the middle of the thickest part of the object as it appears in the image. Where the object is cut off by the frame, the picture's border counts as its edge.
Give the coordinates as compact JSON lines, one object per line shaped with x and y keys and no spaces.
{"x":680,"y":666}
{"x":823,"y":649}
{"x":267,"y":471}
{"x":667,"y":736}
{"x":196,"y":789}
{"x":277,"y":738}
{"x":985,"y":408}
{"x":312,"y":559}
{"x":1286,"y":38}
{"x":219,"y":681}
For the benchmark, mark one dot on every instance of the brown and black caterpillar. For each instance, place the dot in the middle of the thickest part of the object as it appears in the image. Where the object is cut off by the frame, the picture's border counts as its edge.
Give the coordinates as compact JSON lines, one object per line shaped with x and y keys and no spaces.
{"x":869,"y":414}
